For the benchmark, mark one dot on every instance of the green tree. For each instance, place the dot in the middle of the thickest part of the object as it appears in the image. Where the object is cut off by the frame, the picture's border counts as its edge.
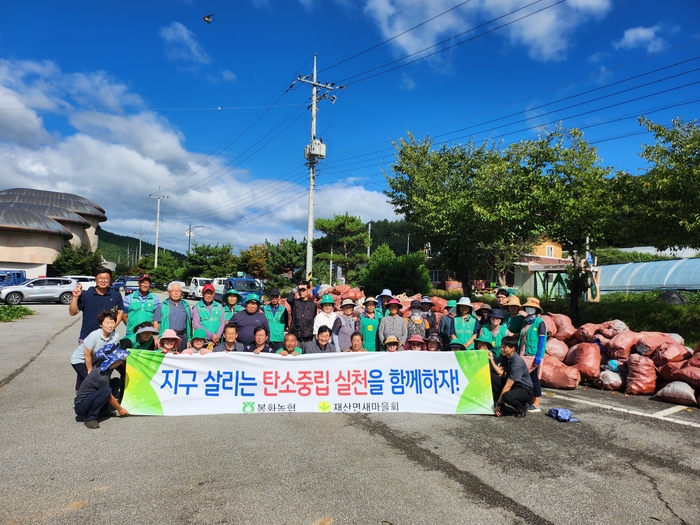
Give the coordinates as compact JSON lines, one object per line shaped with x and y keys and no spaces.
{"x":285,"y":261}
{"x":397,"y":235}
{"x":205,"y":260}
{"x":667,"y":196}
{"x":77,"y":260}
{"x":347,"y":237}
{"x":169,"y":268}
{"x":399,"y":273}
{"x":253,"y":261}
{"x":577,"y":204}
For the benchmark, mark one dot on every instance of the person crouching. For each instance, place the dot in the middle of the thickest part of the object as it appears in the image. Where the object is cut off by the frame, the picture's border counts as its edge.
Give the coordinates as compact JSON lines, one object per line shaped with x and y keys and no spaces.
{"x":98,"y":389}
{"x":511,"y":383}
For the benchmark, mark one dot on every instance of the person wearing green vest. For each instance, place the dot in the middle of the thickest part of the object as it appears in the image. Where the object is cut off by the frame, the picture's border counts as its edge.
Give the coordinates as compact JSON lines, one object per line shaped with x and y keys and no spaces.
{"x":495,"y":331}
{"x":367,"y":324}
{"x":290,"y":346}
{"x":512,"y":318}
{"x":145,"y":338}
{"x":277,"y":318}
{"x":139,"y":307}
{"x":532,"y":346}
{"x":465,"y":326}
{"x":174,"y":313}
{"x":209,"y":315}
{"x":445,"y":324}
{"x":232,"y":303}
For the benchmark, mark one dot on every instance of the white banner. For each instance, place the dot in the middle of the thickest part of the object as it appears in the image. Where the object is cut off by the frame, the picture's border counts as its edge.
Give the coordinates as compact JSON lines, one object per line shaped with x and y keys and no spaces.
{"x":238,"y":382}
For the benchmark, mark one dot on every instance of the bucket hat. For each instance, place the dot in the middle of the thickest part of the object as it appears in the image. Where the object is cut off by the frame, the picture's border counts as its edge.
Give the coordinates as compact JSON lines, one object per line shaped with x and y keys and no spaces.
{"x":347,"y":302}
{"x":415,"y":338}
{"x":327,"y":299}
{"x":169,"y":334}
{"x":533,"y":302}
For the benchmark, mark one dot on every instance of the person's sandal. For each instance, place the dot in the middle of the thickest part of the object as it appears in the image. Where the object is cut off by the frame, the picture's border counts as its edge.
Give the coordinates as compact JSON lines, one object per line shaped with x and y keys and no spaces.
{"x":92,"y":424}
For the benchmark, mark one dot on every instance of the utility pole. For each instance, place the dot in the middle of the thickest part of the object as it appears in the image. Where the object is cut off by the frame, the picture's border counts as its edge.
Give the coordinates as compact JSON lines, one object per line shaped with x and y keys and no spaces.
{"x":330,"y":269}
{"x":408,"y":244}
{"x":155,"y":260}
{"x":369,"y":236}
{"x":315,"y":150}
{"x":140,"y":237}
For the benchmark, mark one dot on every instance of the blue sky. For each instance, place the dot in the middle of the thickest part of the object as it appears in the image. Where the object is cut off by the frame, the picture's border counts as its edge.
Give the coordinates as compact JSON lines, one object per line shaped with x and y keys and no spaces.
{"x":112,"y":100}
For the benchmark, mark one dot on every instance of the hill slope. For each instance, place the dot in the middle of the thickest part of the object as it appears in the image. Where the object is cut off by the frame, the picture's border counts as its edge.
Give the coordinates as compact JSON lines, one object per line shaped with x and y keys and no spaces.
{"x":117,"y":248}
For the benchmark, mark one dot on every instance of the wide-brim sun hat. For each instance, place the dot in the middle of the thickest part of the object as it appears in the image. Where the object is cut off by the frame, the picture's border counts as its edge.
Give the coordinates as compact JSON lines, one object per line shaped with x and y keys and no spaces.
{"x":464,"y":301}
{"x":435,"y":338}
{"x":169,"y":334}
{"x":386,"y":293}
{"x":327,"y":299}
{"x":119,"y":354}
{"x":392,"y":339}
{"x":497,"y":314}
{"x":231,"y":291}
{"x":513,"y":300}
{"x":145,"y":329}
{"x":533,"y":302}
{"x":370,"y":299}
{"x":415,"y":338}
{"x":253,"y":298}
{"x":395,"y":302}
{"x":427,"y":300}
{"x":415,"y":304}
{"x":347,"y":302}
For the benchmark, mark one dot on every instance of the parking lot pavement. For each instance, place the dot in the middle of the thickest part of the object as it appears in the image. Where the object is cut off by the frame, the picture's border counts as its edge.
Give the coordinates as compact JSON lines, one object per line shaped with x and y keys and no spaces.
{"x":615,"y":466}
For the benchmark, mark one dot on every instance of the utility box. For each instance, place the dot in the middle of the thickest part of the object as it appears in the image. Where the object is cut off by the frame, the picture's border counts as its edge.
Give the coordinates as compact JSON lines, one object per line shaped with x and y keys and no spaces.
{"x":316,"y":150}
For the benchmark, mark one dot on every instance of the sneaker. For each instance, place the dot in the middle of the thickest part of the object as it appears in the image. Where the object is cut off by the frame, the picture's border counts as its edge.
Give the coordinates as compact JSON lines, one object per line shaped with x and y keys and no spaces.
{"x":92,"y":424}
{"x":533,"y":409}
{"x":520,"y":413}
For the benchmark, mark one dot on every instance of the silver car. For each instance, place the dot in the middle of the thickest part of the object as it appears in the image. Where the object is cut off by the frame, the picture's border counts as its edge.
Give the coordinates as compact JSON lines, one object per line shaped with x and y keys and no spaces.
{"x":56,"y":289}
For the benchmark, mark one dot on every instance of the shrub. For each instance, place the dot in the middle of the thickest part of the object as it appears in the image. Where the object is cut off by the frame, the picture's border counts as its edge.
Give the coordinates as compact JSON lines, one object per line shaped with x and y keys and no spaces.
{"x":11,"y":313}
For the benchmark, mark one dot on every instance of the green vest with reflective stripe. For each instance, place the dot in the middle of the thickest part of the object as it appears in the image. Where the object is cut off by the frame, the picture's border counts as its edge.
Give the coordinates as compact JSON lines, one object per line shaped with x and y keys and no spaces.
{"x":165,"y":321}
{"x":464,"y":329}
{"x":275,"y":322}
{"x":210,"y":321}
{"x":228,"y":313}
{"x":495,"y":340}
{"x":140,"y":310}
{"x":368,"y":329}
{"x":532,"y":337}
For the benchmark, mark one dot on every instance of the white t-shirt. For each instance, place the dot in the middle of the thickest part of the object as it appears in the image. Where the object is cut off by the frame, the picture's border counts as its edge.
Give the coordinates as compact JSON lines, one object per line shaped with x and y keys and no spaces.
{"x":322,"y":318}
{"x":95,"y":340}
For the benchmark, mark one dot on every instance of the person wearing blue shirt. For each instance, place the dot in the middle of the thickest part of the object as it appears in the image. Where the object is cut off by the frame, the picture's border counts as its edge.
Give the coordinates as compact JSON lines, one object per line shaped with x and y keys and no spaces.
{"x":95,"y":300}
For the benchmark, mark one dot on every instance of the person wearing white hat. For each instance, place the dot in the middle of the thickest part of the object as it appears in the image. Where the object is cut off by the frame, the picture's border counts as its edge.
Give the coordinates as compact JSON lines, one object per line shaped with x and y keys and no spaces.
{"x":465,"y":326}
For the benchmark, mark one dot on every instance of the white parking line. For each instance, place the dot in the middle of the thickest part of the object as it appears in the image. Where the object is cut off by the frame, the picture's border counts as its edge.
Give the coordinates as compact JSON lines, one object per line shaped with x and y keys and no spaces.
{"x":658,"y":415}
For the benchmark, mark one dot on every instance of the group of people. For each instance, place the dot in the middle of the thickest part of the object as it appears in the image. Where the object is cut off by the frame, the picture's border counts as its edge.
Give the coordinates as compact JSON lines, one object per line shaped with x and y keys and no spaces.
{"x":249,"y":325}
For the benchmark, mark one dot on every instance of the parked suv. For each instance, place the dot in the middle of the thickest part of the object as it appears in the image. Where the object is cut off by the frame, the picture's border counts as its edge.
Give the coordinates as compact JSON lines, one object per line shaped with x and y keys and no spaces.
{"x":85,"y":280}
{"x":243,"y":285}
{"x":57,"y":289}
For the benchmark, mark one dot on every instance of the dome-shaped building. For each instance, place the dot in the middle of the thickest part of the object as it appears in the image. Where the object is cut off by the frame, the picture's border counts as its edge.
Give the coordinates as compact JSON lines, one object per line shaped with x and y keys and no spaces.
{"x":35,"y":224}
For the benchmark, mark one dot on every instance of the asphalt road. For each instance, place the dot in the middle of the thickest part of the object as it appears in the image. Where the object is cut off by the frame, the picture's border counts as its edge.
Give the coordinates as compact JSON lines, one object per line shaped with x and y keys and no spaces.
{"x":624,"y":463}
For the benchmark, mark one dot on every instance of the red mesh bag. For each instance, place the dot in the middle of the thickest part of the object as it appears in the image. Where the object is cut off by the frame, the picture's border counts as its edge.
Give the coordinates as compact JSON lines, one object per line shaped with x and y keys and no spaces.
{"x":439,"y":304}
{"x":670,"y":352}
{"x":641,"y":375}
{"x":354,"y":294}
{"x":550,"y":324}
{"x":689,"y":374}
{"x":586,"y":358}
{"x":694,"y":359}
{"x":341,"y":289}
{"x":610,"y":329}
{"x":650,"y":343}
{"x":609,"y":380}
{"x":620,"y":346}
{"x":557,"y":349}
{"x":555,"y":374}
{"x":586,"y":332}
{"x":565,"y":328}
{"x":666,"y":371}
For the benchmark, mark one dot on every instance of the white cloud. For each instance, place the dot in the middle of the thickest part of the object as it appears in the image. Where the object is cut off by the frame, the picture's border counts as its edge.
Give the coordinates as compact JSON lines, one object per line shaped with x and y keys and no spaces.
{"x":645,"y":37}
{"x":229,"y":76}
{"x":546,"y":34}
{"x":407,"y":82}
{"x":118,"y":160}
{"x":182,"y":44}
{"x":598,"y":57}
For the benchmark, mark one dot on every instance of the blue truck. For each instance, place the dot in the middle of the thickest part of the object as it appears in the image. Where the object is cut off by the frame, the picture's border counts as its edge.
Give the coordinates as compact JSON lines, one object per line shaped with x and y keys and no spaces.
{"x":244,"y":286}
{"x":12,"y":277}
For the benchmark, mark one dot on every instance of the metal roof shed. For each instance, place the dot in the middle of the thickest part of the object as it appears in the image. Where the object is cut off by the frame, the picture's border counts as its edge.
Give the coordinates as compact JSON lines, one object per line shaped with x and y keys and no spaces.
{"x":678,"y":274}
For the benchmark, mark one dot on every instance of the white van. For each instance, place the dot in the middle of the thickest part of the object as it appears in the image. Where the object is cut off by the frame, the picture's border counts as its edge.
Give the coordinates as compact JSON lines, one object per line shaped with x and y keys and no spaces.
{"x":196,"y":285}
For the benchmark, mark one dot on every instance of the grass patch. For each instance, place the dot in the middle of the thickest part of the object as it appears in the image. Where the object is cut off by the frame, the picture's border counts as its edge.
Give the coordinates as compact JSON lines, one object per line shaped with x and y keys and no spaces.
{"x":641,"y":312}
{"x":11,"y":313}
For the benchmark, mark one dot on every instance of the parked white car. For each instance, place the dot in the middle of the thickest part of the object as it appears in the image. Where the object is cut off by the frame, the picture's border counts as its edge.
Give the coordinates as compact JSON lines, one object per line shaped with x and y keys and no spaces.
{"x":85,"y":281}
{"x":196,"y":285}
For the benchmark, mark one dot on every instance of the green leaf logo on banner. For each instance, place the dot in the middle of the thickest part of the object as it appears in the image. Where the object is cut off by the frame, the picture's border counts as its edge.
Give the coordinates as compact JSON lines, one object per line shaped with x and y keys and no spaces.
{"x":324,"y":406}
{"x":476,"y":397}
{"x":139,"y":396}
{"x":248,"y":406}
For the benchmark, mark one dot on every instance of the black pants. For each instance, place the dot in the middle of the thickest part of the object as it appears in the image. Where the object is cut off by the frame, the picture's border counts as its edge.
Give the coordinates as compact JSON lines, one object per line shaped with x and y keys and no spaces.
{"x":536,"y":385}
{"x":517,"y":397}
{"x":92,"y":405}
{"x":82,"y":372}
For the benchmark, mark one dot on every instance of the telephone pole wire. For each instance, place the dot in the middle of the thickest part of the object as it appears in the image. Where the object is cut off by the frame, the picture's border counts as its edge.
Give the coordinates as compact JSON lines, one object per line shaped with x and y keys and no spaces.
{"x":314,"y":151}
